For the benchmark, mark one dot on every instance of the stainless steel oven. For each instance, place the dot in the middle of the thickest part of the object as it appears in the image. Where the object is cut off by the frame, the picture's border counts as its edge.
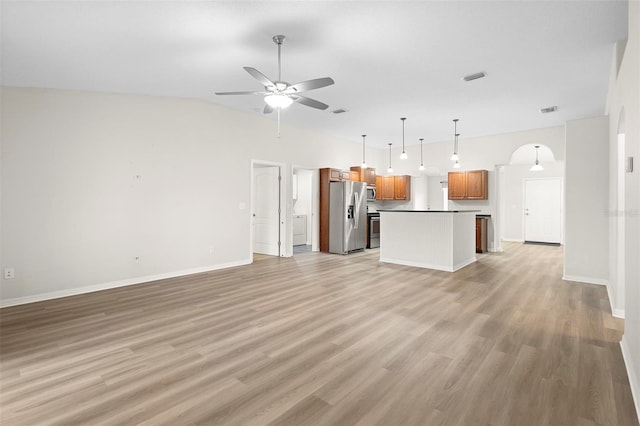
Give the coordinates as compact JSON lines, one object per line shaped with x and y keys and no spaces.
{"x":374,"y":230}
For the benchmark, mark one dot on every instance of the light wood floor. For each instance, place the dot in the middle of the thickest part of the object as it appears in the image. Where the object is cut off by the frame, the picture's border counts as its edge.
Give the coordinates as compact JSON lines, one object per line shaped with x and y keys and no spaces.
{"x":324,"y":339}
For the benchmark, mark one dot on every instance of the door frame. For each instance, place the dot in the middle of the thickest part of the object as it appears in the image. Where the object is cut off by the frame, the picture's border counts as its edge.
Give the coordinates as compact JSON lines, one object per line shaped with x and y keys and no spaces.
{"x":524,"y":204}
{"x":315,"y":209}
{"x":282,"y":221}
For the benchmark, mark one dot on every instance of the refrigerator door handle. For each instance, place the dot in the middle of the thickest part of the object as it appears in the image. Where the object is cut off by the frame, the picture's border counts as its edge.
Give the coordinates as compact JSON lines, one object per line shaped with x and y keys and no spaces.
{"x":357,"y":217}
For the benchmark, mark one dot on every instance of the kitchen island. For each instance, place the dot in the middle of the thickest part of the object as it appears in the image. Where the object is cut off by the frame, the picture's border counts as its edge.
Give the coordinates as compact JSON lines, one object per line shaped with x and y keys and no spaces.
{"x":434,"y":239}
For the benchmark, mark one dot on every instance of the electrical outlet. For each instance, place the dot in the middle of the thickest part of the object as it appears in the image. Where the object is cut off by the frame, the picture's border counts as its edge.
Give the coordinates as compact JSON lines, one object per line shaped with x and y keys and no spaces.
{"x":9,"y":273}
{"x":212,"y":249}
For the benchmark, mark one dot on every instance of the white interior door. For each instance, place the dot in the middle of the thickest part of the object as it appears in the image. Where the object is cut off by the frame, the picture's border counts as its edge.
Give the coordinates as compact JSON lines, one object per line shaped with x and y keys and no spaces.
{"x":266,"y":210}
{"x":543,"y":210}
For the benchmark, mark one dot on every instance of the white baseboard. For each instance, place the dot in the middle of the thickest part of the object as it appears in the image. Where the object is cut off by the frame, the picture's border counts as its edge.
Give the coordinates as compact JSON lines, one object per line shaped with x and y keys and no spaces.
{"x":618,"y":313}
{"x":634,"y":380}
{"x":114,"y":284}
{"x":512,"y":240}
{"x":588,"y":280}
{"x":446,"y":268}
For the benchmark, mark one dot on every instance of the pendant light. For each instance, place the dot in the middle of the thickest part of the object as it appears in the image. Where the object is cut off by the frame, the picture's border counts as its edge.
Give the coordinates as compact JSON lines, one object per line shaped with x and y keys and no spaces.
{"x":455,"y":157}
{"x":536,"y":167}
{"x":456,"y":165}
{"x":390,"y":169}
{"x":403,"y":156}
{"x":421,"y":168}
{"x":364,"y":163}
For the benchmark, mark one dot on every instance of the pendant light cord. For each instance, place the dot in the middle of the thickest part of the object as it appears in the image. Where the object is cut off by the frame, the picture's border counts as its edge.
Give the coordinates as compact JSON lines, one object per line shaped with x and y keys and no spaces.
{"x":403,"y":118}
{"x":363,"y":157}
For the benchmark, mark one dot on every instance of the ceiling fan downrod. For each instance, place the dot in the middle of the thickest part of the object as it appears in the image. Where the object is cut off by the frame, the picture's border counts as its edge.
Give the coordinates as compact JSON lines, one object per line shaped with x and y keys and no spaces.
{"x":279,"y":39}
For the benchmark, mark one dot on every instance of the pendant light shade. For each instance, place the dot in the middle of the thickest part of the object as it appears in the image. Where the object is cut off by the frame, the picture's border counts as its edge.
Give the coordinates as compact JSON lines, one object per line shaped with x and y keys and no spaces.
{"x":454,"y":156}
{"x":536,"y":167}
{"x":456,"y":165}
{"x":364,"y":163}
{"x":421,"y":168}
{"x":403,"y":156}
{"x":390,"y":169}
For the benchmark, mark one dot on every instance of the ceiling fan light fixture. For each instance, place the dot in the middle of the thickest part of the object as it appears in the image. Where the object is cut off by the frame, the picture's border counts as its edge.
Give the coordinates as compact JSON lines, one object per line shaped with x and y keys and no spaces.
{"x":278,"y":100}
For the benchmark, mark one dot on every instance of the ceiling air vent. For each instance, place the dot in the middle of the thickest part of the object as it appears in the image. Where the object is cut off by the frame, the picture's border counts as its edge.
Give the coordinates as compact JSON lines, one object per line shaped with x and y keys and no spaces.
{"x":339,"y":111}
{"x":548,"y":109}
{"x":474,"y":76}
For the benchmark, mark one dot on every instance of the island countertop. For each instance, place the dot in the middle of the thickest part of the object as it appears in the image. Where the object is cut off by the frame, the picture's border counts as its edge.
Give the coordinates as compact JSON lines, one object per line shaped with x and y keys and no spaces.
{"x":443,"y":240}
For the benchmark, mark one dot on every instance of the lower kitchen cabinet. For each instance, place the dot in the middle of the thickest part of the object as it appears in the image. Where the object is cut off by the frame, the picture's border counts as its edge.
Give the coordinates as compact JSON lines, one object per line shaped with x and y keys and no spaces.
{"x":481,"y":234}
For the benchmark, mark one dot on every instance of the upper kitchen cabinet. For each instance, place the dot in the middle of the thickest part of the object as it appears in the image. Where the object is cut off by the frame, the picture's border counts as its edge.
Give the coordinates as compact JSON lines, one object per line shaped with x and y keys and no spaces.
{"x":457,"y":185}
{"x":469,"y":185}
{"x":365,"y":174}
{"x":337,"y":175}
{"x":393,"y":188}
{"x":402,"y":188}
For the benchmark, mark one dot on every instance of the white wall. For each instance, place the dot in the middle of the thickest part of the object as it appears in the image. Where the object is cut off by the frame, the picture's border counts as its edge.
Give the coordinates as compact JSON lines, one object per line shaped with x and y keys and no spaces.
{"x":624,"y":95}
{"x":586,"y":256}
{"x":436,"y":201}
{"x":91,"y":181}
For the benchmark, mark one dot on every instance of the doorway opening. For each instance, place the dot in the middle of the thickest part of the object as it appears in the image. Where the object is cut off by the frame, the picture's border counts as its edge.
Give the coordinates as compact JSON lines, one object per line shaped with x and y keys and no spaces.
{"x":304,"y":206}
{"x":266,"y":209}
{"x":619,"y":218}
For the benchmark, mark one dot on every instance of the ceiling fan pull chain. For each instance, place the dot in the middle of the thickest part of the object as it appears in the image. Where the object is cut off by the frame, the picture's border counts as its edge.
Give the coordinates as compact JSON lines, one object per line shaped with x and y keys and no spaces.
{"x":278,"y":123}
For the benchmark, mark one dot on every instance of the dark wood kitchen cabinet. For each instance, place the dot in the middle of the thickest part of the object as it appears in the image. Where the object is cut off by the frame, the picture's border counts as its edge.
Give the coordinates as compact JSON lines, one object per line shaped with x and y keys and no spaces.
{"x":481,"y":234}
{"x":396,"y":188}
{"x":338,"y":175}
{"x":469,"y":185}
{"x":365,"y":174}
{"x":402,"y":188}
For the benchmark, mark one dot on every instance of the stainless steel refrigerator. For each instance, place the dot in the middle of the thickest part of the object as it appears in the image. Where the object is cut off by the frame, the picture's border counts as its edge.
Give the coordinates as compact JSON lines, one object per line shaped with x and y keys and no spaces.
{"x":347,"y":217}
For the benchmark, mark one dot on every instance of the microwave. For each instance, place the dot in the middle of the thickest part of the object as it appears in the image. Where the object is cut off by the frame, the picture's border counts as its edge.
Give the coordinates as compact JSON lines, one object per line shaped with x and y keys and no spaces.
{"x":371,"y":193}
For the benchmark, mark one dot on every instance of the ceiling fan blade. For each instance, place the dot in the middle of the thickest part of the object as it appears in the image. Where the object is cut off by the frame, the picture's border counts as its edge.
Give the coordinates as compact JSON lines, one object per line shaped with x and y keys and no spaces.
{"x":240,"y":93}
{"x":268,"y":109}
{"x":260,"y":77}
{"x":316,"y":83}
{"x":310,"y":102}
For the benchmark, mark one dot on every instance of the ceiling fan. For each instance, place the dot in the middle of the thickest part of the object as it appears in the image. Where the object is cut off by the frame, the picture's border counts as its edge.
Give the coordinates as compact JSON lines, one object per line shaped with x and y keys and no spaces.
{"x":280,"y":94}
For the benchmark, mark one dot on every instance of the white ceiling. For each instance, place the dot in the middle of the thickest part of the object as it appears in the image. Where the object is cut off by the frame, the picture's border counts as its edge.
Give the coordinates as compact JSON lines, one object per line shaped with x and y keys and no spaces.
{"x":389,"y":59}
